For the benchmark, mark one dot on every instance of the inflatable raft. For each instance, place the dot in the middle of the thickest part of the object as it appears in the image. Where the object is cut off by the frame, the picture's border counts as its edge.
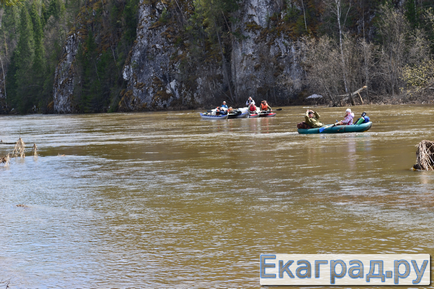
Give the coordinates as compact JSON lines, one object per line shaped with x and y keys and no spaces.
{"x":239,"y":113}
{"x":338,"y":128}
{"x":267,"y":114}
{"x":207,"y":115}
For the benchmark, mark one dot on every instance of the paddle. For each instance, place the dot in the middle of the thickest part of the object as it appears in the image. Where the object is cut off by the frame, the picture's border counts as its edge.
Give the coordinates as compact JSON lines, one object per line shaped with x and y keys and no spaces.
{"x":269,"y":111}
{"x":324,"y":127}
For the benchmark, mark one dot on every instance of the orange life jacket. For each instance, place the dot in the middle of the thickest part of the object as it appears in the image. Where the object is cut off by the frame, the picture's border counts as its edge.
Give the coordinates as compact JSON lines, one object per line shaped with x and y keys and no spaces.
{"x":264,"y":106}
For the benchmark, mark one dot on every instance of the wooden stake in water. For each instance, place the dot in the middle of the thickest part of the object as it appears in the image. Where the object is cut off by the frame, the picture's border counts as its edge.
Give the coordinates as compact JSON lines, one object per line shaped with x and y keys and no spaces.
{"x":19,"y":148}
{"x":5,"y":160}
{"x":35,"y":150}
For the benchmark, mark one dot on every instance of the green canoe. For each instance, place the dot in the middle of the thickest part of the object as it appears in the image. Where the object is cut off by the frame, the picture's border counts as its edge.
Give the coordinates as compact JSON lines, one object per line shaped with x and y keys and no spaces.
{"x":338,"y":129}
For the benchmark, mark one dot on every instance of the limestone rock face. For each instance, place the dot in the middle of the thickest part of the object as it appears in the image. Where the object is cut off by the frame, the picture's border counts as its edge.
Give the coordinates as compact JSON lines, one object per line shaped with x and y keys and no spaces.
{"x":64,"y":78}
{"x":156,"y":75}
{"x":262,"y":64}
{"x":159,"y":74}
{"x":149,"y":71}
{"x":265,"y":65}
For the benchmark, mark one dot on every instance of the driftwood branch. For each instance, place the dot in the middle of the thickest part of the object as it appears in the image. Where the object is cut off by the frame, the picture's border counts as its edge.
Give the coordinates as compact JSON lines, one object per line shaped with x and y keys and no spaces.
{"x":357,"y":92}
{"x":19,"y":150}
{"x":428,"y":86}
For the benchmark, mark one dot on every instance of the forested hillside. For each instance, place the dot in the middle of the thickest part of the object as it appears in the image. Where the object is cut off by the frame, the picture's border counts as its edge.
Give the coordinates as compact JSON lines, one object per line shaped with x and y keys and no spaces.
{"x":32,"y":36}
{"x":33,"y":44}
{"x":128,"y":55}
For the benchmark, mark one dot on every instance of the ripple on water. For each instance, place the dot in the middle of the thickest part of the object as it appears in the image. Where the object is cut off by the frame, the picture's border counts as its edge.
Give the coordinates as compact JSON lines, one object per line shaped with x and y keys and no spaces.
{"x":165,"y":200}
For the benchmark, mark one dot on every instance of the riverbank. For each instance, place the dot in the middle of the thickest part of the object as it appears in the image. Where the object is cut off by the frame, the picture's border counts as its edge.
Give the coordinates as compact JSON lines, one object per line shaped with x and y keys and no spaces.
{"x":373,"y":99}
{"x":301,"y":101}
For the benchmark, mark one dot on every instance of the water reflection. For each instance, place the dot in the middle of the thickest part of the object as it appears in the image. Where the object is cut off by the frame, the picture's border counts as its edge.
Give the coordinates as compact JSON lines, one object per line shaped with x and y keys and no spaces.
{"x":426,"y":177}
{"x":352,"y":157}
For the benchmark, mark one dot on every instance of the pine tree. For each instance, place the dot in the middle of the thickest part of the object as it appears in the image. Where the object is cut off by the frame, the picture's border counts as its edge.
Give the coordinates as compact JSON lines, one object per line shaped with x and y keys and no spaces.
{"x":54,"y":9}
{"x":9,"y":2}
{"x":38,"y":62}
{"x":215,"y":17}
{"x":411,"y":13}
{"x":11,"y":81}
{"x":44,"y":15}
{"x":87,"y":57}
{"x":25,"y":52}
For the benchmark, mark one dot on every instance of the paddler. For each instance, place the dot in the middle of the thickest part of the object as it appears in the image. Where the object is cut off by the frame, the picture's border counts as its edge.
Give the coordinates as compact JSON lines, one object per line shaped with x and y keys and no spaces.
{"x":223,"y":109}
{"x":252,"y":108}
{"x":250,"y":101}
{"x":265,"y":106}
{"x":311,"y":118}
{"x":348,"y":119}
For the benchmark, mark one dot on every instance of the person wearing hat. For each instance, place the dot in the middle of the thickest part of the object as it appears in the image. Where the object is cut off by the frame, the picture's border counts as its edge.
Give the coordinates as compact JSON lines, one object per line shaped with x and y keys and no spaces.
{"x":223,"y":109}
{"x":311,"y":118}
{"x":250,"y":101}
{"x":348,"y":120}
{"x":265,"y":106}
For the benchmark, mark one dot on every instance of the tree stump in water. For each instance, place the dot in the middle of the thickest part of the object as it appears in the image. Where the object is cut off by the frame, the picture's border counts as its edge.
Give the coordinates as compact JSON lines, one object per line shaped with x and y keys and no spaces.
{"x":4,"y":159}
{"x":425,"y":156}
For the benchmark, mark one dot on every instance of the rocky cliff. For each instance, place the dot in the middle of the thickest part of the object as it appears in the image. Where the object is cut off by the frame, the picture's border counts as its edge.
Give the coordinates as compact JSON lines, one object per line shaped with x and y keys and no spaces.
{"x":162,"y":72}
{"x":156,"y":72}
{"x":152,"y":76}
{"x":65,"y":76}
{"x":264,"y":63}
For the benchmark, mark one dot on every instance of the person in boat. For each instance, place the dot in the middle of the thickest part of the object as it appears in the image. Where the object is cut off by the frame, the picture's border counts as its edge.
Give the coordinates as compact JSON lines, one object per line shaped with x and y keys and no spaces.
{"x":311,"y":118}
{"x":223,"y":109}
{"x":250,"y":101}
{"x":252,"y":108}
{"x":348,"y":120}
{"x":265,"y":106}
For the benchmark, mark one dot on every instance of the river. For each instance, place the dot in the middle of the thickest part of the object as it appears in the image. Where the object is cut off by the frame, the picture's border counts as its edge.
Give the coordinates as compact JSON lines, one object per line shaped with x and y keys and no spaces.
{"x":165,"y":199}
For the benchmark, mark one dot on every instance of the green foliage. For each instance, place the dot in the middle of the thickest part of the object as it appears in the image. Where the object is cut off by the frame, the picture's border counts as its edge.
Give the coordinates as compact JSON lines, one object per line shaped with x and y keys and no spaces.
{"x":411,"y":13}
{"x":54,"y":9}
{"x":419,"y":77}
{"x":24,"y":55}
{"x":38,"y":62}
{"x":11,"y":79}
{"x":95,"y":75}
{"x":9,"y":2}
{"x":44,"y":14}
{"x":10,"y":23}
{"x":32,"y":50}
{"x":102,"y":55}
{"x":209,"y":29}
{"x":164,"y":18}
{"x":32,"y":38}
{"x":130,"y":19}
{"x":301,"y":16}
{"x":214,"y":14}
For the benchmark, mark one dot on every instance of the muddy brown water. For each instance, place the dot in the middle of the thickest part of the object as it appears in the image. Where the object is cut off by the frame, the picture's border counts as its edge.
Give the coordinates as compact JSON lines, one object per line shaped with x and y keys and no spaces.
{"x":165,"y":199}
